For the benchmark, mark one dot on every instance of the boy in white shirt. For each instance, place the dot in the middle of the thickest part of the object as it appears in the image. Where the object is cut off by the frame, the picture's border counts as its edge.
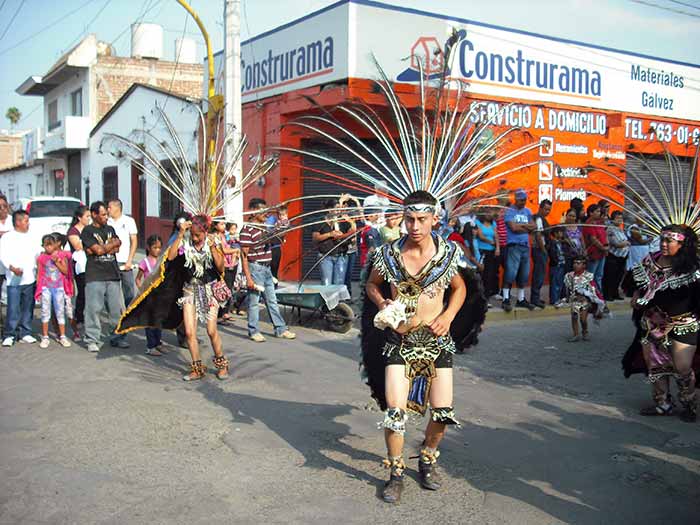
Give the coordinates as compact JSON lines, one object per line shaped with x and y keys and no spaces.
{"x":18,"y":252}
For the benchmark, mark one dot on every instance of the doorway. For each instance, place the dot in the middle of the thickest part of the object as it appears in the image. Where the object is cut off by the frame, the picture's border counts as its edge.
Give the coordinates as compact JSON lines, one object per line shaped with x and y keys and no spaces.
{"x":138,"y":203}
{"x":74,"y":176}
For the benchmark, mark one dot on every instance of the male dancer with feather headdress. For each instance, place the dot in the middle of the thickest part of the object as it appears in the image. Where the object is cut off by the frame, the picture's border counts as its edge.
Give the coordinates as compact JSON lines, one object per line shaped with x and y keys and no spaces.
{"x":407,"y":284}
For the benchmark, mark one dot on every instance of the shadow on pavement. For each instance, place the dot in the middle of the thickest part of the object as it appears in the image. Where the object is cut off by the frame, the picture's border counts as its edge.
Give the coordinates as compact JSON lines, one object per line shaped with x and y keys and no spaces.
{"x":347,"y":348}
{"x":585,"y":469}
{"x":309,"y":428}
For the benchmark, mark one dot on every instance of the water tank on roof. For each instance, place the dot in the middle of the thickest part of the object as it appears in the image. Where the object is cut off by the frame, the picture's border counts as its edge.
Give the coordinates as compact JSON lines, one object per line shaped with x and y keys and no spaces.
{"x":146,"y":41}
{"x":105,"y":49}
{"x":185,"y":51}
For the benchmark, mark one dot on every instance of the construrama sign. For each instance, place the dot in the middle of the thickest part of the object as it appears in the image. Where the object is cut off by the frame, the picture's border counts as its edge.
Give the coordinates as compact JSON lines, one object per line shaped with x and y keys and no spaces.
{"x":290,"y":65}
{"x":517,"y":69}
{"x":506,"y":63}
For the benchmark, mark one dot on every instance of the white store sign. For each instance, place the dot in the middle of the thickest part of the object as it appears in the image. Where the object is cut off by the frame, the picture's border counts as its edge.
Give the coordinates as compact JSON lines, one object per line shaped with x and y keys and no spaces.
{"x":304,"y":53}
{"x":499,"y":62}
{"x":338,"y":42}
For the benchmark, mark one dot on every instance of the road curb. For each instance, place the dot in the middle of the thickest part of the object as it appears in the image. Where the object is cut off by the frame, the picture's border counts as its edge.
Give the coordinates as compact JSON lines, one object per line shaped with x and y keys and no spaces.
{"x":498,"y":315}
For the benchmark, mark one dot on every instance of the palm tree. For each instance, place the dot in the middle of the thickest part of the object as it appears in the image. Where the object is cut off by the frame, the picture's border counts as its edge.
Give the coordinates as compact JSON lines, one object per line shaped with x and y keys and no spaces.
{"x":13,"y":115}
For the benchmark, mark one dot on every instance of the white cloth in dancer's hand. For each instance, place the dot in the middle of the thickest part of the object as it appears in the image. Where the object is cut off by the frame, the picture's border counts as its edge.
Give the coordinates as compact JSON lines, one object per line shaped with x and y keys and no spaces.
{"x":391,"y":316}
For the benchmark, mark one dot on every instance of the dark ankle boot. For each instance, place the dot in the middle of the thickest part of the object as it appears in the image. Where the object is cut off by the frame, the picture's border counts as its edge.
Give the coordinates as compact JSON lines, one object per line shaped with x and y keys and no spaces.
{"x":689,"y":414}
{"x":394,"y":487}
{"x":427,"y":470}
{"x":687,"y":397}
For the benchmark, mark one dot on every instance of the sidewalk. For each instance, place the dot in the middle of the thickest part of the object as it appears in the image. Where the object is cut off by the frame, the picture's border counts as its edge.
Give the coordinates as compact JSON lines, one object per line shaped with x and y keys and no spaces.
{"x":496,"y":313}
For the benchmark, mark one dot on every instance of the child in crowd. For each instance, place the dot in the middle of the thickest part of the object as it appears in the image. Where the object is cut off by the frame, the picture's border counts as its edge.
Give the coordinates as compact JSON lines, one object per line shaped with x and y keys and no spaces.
{"x":238,"y":289}
{"x":584,"y":297}
{"x":222,"y":229}
{"x":557,"y":266}
{"x":154,"y":245}
{"x":370,"y":239}
{"x":392,"y":229}
{"x":54,"y":286}
{"x":231,"y":232}
{"x":233,"y":243}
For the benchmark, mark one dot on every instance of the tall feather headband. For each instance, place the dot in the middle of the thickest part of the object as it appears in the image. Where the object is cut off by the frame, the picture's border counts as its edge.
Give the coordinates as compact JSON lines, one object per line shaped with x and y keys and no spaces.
{"x":443,"y":146}
{"x":203,"y":188}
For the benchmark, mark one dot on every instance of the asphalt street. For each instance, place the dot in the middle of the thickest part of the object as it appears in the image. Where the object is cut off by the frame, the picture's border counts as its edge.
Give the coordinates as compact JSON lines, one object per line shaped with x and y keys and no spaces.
{"x":550,"y":435}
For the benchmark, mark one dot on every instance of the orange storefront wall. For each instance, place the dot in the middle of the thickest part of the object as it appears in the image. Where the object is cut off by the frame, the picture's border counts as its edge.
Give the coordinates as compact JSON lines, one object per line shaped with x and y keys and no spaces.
{"x":571,"y":167}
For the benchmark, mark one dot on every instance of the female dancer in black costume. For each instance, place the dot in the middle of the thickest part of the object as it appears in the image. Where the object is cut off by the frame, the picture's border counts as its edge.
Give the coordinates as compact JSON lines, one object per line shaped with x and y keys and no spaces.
{"x":665,"y":290}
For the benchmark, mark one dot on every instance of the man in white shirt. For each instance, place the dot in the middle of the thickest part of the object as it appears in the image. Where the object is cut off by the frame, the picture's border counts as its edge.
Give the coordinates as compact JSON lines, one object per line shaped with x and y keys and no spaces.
{"x":18,"y":252}
{"x":377,"y":203}
{"x":125,"y":227}
{"x":5,"y":226}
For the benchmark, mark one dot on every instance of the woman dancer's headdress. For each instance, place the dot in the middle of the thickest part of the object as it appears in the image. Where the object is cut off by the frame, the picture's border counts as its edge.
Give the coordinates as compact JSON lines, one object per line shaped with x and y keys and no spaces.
{"x":204,"y":187}
{"x":657,"y":197}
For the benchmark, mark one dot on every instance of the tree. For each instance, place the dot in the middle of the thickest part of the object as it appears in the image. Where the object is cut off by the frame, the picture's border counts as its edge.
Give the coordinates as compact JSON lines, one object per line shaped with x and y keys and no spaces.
{"x":13,"y":115}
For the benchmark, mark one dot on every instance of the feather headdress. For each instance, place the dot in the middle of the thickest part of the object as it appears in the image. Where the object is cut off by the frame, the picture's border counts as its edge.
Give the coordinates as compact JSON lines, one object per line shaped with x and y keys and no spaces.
{"x":445,"y":145}
{"x":657,"y":197}
{"x":205,"y":186}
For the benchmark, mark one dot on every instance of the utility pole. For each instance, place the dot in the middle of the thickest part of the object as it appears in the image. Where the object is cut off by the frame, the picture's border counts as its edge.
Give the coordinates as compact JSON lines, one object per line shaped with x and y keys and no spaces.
{"x":232,"y":96}
{"x":215,"y":103}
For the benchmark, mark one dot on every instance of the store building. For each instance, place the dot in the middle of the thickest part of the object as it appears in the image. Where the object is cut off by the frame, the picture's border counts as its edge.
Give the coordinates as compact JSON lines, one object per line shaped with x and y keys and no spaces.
{"x":588,"y":104}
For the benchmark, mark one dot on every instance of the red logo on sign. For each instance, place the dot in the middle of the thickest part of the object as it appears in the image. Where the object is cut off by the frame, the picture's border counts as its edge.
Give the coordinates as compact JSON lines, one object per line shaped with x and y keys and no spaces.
{"x":427,"y":51}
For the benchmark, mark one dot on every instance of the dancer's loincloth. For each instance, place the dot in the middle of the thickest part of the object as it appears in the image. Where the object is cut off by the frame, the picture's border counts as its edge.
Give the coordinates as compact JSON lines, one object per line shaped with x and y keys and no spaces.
{"x":421,"y":352}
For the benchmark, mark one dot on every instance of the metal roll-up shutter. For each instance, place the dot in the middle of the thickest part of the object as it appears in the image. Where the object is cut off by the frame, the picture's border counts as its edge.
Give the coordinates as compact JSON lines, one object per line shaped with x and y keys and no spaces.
{"x":328,"y":186}
{"x":640,"y":175}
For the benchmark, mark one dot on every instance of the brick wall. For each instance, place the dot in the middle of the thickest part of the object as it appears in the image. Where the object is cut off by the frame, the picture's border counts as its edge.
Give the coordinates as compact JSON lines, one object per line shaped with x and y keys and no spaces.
{"x":114,"y":76}
{"x":11,"y":151}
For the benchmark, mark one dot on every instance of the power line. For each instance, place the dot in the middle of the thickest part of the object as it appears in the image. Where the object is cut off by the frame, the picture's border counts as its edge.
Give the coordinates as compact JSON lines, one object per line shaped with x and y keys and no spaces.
{"x":45,"y":28}
{"x":670,"y":9}
{"x":177,"y":61}
{"x":3,"y":4}
{"x":252,"y":50}
{"x":12,"y":19}
{"x":87,"y":26}
{"x":685,"y":4}
{"x":40,"y":104}
{"x":138,"y":20}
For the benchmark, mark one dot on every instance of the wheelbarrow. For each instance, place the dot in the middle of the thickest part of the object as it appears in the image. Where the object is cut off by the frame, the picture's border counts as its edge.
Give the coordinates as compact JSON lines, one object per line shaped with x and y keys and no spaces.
{"x":324,"y":303}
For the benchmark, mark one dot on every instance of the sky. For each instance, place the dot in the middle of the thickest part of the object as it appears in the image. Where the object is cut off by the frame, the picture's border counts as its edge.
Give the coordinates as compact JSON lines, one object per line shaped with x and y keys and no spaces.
{"x":42,"y":30}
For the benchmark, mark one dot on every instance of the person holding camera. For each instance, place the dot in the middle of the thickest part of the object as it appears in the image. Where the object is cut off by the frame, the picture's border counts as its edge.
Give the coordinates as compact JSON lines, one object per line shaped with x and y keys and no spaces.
{"x":331,"y":238}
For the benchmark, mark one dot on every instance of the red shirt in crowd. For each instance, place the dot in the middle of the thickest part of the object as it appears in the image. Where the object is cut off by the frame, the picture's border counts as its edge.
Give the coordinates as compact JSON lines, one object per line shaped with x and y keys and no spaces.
{"x":595,"y":229}
{"x":502,"y":232}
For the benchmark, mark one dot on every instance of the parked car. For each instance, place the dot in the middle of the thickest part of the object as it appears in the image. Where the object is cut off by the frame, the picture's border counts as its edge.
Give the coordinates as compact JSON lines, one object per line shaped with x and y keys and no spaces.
{"x":48,"y":214}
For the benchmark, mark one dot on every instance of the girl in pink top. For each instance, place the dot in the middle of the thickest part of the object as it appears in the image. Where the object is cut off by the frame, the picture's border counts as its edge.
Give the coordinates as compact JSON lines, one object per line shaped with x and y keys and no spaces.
{"x":154,"y":245}
{"x":54,"y":286}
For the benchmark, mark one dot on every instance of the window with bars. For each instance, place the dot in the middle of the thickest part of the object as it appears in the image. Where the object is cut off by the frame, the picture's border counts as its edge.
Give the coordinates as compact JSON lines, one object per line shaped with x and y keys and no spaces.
{"x":53,"y":115}
{"x":76,"y":103}
{"x":110,"y":183}
{"x":169,"y":205}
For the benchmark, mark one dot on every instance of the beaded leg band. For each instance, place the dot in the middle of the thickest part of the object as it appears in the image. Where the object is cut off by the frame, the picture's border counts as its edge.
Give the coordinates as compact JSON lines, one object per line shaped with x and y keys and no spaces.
{"x":429,"y":457}
{"x":396,"y":465}
{"x":221,"y":364}
{"x":197,"y":371}
{"x":394,"y":420}
{"x":444,"y":415}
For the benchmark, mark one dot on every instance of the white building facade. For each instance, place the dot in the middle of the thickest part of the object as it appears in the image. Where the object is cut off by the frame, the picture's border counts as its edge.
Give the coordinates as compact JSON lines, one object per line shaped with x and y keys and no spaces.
{"x":110,"y":177}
